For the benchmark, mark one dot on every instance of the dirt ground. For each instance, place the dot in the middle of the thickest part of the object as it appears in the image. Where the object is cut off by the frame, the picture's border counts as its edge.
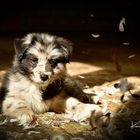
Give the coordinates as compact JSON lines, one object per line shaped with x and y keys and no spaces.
{"x":98,"y":64}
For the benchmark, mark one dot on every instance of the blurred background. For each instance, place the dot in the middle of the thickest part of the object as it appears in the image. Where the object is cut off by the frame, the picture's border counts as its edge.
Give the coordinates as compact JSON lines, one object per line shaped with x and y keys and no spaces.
{"x":108,"y":28}
{"x":100,"y":30}
{"x":68,"y":17}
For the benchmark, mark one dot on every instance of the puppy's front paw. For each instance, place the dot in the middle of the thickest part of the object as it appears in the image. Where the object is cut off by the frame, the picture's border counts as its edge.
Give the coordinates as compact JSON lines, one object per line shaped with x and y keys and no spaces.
{"x":78,"y":111}
{"x":24,"y":116}
{"x":83,"y":113}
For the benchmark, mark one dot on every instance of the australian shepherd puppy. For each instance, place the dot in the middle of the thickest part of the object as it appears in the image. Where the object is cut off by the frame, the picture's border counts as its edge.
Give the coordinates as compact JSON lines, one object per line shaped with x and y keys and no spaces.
{"x":38,"y":81}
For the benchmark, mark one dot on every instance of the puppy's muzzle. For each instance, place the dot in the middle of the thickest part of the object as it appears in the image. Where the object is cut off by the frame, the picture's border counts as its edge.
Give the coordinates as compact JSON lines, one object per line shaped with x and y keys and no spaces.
{"x":44,"y":77}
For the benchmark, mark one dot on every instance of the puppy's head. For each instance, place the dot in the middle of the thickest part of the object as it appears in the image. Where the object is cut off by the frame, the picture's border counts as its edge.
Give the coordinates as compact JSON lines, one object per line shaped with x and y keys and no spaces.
{"x":42,"y":57}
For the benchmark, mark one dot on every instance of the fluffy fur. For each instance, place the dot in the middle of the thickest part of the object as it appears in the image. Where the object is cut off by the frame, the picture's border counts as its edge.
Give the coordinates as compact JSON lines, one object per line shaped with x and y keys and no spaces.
{"x":38,"y":82}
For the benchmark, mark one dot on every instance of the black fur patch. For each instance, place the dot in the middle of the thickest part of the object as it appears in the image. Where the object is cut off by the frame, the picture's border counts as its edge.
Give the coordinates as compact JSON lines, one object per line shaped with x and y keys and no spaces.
{"x":3,"y":92}
{"x":22,"y":56}
{"x":27,"y":63}
{"x":34,"y":40}
{"x":53,"y":89}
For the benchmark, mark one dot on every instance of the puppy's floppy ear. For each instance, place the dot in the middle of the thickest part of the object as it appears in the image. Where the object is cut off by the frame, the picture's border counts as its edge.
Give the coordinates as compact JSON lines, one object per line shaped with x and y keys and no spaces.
{"x":66,"y":46}
{"x":20,"y":48}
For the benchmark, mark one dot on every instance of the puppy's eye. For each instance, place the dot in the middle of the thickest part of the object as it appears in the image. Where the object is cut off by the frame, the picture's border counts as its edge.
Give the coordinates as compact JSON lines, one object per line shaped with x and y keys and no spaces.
{"x":34,"y":60}
{"x":53,"y":62}
{"x":31,"y":59}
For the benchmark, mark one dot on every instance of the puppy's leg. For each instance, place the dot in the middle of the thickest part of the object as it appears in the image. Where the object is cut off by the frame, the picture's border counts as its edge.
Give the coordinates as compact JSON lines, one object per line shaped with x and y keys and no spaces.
{"x":79,"y":111}
{"x":73,"y":108}
{"x":17,"y":108}
{"x":73,"y":89}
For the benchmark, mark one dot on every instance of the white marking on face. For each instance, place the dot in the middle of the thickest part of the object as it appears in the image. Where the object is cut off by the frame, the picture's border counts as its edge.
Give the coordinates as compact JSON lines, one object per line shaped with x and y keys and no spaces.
{"x":38,"y":70}
{"x":41,"y":65}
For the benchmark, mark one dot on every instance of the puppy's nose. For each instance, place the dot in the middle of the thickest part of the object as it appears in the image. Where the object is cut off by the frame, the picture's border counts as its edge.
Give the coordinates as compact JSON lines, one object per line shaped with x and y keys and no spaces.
{"x":44,"y":77}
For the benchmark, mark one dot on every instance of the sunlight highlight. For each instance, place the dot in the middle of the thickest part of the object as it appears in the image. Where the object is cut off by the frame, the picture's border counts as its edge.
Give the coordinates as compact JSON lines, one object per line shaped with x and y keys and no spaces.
{"x":76,"y":68}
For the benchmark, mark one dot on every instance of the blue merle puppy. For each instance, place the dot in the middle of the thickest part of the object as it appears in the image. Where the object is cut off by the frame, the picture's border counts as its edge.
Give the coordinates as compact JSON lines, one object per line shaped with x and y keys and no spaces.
{"x":38,"y":81}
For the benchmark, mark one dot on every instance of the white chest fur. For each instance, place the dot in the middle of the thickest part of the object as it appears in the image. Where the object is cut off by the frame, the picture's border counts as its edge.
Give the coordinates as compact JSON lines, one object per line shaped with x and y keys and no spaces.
{"x":24,"y":89}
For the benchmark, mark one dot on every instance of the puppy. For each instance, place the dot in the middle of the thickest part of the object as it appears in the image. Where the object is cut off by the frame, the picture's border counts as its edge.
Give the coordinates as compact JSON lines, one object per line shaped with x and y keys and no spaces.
{"x":38,"y":81}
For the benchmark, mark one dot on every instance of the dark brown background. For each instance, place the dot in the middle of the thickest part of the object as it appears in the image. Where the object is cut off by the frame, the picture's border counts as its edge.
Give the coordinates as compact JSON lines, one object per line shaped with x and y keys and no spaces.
{"x":68,"y":17}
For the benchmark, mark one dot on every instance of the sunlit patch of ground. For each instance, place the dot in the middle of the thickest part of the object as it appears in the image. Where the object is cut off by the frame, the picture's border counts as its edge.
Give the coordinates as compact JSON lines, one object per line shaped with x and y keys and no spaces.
{"x":79,"y":68}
